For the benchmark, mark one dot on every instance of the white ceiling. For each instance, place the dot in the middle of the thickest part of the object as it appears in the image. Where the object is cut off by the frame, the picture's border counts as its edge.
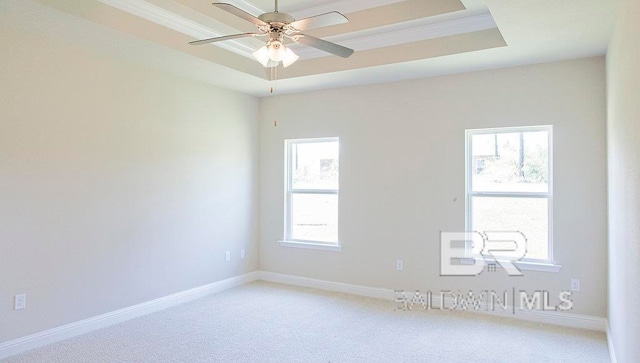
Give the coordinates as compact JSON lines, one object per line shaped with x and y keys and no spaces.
{"x":394,"y":39}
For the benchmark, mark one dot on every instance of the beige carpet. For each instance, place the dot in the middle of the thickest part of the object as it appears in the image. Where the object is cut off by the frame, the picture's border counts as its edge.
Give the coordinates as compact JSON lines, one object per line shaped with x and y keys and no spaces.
{"x":264,"y":322}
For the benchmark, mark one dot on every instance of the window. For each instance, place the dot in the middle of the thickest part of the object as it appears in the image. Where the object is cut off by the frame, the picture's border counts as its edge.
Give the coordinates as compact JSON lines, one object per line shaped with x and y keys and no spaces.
{"x":312,"y":175}
{"x":509,"y":186}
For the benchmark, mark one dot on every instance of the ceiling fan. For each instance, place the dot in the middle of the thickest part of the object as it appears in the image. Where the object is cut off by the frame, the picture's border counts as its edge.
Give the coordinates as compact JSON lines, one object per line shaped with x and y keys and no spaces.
{"x":280,"y":26}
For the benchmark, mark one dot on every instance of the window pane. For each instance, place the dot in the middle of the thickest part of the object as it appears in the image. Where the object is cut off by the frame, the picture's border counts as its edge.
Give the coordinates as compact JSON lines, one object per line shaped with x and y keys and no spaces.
{"x":526,"y":215}
{"x":314,"y":217}
{"x":314,"y":165}
{"x":510,"y":162}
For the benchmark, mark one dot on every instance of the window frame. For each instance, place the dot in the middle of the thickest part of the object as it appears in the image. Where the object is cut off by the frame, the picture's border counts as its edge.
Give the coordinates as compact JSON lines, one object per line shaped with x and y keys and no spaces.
{"x":289,"y":241}
{"x":531,"y":263}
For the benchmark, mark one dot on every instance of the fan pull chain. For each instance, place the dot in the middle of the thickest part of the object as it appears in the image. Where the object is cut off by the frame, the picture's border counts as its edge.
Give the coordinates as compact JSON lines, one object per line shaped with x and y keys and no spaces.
{"x":272,"y":90}
{"x":275,"y":116}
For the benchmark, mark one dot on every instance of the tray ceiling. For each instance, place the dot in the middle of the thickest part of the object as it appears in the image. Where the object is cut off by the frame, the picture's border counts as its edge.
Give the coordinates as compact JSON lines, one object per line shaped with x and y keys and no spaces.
{"x":393,"y":39}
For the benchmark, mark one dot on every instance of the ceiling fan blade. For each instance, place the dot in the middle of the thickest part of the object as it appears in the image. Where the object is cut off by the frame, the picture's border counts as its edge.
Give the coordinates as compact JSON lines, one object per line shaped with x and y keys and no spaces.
{"x":219,"y":39}
{"x":328,"y":47}
{"x":239,"y":13}
{"x":318,"y":21}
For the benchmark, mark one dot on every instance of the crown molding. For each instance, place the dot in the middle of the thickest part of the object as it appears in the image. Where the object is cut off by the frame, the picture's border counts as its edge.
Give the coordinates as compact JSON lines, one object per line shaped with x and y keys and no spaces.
{"x":248,"y":6}
{"x":430,"y":31}
{"x":384,"y":39}
{"x":343,"y":6}
{"x":176,"y":22}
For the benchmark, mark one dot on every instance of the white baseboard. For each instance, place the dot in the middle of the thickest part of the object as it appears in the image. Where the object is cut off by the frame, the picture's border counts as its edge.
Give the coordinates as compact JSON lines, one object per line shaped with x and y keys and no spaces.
{"x":612,"y":352}
{"x":40,"y":339}
{"x":565,"y":319}
{"x":548,"y":317}
{"x":367,"y":291}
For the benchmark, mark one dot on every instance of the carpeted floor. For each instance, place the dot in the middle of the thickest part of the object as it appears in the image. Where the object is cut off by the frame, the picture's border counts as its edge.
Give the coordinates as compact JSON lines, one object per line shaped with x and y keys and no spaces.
{"x":264,"y":322}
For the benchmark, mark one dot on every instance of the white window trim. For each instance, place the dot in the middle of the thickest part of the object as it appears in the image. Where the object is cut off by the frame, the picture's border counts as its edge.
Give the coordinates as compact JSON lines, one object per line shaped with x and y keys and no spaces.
{"x":522,"y":265}
{"x":526,"y":263}
{"x":298,"y":243}
{"x":312,"y":245}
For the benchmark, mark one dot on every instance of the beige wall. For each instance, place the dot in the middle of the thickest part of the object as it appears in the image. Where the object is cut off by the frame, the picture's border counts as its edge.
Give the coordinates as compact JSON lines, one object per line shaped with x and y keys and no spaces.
{"x":623,"y":127}
{"x":118,"y":184}
{"x":402,"y":175}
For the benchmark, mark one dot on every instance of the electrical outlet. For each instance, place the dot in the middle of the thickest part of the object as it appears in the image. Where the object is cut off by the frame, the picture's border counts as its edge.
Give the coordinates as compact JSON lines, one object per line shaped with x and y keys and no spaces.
{"x":575,"y":284}
{"x":227,"y":256}
{"x":20,"y":302}
{"x":399,"y":265}
{"x":242,"y":254}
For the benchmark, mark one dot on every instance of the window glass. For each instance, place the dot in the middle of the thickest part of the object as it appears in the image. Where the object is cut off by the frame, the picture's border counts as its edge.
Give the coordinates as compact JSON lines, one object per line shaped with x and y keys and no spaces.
{"x":510,"y":162}
{"x":526,"y":215}
{"x":315,"y":165}
{"x":312,"y":190}
{"x":509,"y":186}
{"x":314,"y":217}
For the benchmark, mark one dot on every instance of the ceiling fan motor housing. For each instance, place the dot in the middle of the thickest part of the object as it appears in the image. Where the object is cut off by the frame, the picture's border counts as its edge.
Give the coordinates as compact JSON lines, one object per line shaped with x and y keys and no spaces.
{"x":276,"y":19}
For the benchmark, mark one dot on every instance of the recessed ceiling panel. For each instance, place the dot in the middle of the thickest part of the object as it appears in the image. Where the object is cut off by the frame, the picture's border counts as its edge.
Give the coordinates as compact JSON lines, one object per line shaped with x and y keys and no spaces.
{"x":387,"y":35}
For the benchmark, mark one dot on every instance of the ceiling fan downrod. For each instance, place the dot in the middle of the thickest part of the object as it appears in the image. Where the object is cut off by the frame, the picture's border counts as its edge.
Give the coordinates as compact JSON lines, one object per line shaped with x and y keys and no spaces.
{"x":276,"y":19}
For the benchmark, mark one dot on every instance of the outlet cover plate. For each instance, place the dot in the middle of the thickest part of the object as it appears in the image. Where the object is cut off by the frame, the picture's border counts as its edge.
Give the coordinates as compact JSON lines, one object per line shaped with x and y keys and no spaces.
{"x":20,"y":302}
{"x":575,"y":285}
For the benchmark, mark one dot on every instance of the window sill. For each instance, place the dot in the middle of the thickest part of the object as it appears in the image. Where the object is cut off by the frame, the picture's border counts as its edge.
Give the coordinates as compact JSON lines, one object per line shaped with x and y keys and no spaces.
{"x":538,"y":266}
{"x":522,"y":265}
{"x":311,"y":245}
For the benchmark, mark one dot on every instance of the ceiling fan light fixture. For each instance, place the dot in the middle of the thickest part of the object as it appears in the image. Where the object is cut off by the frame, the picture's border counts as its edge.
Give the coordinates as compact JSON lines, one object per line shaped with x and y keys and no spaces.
{"x":262,"y":56}
{"x":277,"y":50}
{"x":289,"y":58}
{"x":274,"y":52}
